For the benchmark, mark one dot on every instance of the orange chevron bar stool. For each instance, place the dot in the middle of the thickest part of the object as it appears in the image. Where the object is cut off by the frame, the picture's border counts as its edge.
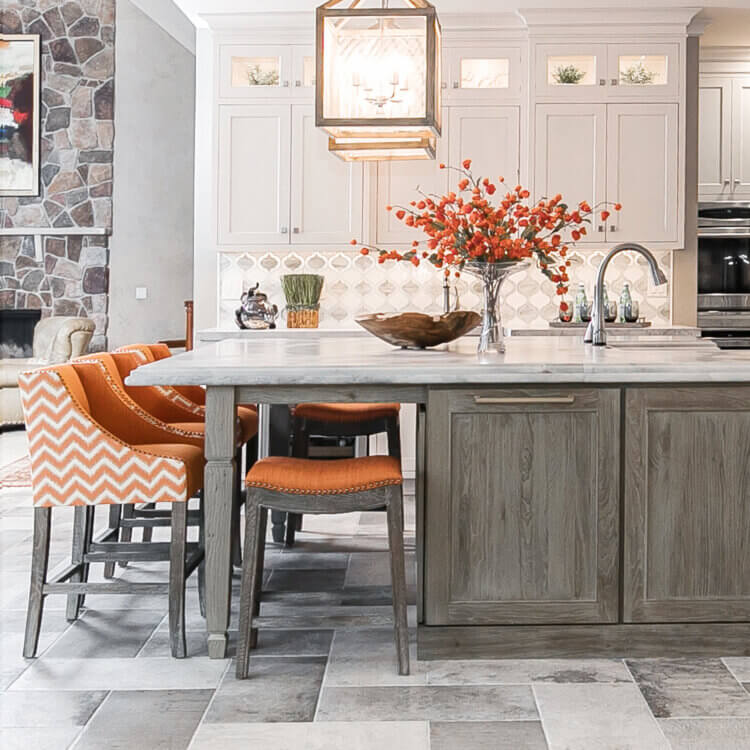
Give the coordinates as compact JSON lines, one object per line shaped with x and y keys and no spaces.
{"x":78,"y":462}
{"x":303,"y":485}
{"x":340,"y":420}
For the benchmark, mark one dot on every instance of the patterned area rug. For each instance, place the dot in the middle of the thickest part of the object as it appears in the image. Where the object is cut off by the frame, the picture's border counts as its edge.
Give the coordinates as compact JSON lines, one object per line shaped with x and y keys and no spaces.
{"x":16,"y":474}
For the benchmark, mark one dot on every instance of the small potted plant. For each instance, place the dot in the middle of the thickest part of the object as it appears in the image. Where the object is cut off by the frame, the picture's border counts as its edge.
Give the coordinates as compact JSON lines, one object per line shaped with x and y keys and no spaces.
{"x":568,"y":75}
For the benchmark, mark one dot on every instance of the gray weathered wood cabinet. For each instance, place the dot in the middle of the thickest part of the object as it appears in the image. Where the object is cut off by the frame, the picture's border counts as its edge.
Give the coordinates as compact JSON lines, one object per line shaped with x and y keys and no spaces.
{"x":522,"y":517}
{"x":687,"y":505}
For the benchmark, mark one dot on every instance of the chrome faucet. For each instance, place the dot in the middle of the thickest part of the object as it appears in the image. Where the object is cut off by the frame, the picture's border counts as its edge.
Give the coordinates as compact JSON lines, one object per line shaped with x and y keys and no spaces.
{"x":595,"y":333}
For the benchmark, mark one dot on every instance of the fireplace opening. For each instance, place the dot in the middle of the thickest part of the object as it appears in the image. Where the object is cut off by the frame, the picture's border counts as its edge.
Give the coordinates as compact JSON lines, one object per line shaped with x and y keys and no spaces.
{"x":17,"y":332}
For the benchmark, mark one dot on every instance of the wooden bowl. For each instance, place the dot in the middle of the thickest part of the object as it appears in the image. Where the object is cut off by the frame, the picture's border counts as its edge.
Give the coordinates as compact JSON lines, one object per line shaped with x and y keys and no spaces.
{"x":418,"y":330}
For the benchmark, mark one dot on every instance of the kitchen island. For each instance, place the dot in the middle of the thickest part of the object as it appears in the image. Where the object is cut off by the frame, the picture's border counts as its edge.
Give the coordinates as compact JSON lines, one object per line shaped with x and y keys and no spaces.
{"x":572,"y":500}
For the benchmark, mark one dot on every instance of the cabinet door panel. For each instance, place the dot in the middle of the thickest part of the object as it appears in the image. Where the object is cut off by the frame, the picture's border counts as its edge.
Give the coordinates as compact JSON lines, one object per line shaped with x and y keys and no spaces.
{"x":483,"y":74}
{"x":715,"y":133}
{"x":522,"y":506}
{"x":642,"y":172}
{"x":741,"y":138}
{"x":253,"y":71}
{"x":398,"y":184}
{"x":327,"y":192}
{"x":488,"y":136}
{"x":687,"y":504}
{"x":254,"y":145}
{"x":643,"y":71}
{"x":571,"y":73}
{"x":570,"y":155}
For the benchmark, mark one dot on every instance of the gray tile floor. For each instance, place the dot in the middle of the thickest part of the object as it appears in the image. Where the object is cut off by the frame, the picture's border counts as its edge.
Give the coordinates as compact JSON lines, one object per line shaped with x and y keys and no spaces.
{"x":108,"y":682}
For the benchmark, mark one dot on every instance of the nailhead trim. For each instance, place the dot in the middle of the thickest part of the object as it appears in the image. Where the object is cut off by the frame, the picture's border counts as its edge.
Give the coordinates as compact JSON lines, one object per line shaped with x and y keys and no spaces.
{"x":346,"y":491}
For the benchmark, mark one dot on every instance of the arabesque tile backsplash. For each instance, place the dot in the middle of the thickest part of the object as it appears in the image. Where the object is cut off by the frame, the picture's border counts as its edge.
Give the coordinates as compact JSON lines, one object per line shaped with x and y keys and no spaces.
{"x":357,"y":284}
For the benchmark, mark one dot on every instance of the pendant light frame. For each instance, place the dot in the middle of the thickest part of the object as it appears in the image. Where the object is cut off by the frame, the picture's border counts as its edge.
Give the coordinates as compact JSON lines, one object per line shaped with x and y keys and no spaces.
{"x":399,"y":134}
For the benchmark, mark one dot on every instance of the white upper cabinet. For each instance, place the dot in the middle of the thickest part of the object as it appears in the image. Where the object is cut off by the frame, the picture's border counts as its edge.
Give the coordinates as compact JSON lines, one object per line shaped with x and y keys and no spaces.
{"x":254,"y":72}
{"x":601,"y":72}
{"x":483,"y":74}
{"x":571,"y":72}
{"x":643,"y":71}
{"x":253,"y":174}
{"x":741,"y":138}
{"x":570,"y":157}
{"x":489,"y":136}
{"x":643,"y":173}
{"x":303,"y":69}
{"x":399,"y":183}
{"x":326,"y":193}
{"x":715,"y":133}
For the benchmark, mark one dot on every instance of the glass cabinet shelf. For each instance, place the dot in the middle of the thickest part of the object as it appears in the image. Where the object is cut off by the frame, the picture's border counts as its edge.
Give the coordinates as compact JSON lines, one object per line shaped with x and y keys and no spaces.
{"x":642,"y":70}
{"x":571,"y":70}
{"x":485,"y":73}
{"x":255,"y":71}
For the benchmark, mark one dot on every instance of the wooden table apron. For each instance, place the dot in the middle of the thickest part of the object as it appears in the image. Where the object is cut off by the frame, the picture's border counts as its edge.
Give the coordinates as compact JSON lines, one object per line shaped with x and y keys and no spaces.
{"x":221,"y":402}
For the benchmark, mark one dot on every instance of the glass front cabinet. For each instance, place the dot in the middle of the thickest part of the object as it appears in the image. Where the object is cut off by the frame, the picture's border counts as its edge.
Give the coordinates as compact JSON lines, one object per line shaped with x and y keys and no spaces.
{"x":266,"y":72}
{"x":607,"y":71}
{"x":482,"y":74}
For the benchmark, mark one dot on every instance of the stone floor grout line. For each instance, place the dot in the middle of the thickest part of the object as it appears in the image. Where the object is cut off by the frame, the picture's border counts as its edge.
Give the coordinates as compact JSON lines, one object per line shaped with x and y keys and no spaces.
{"x":151,"y":637}
{"x":209,"y":704}
{"x":541,"y":718}
{"x":723,"y":659}
{"x":325,"y":673}
{"x":90,"y":719}
{"x":648,"y":708}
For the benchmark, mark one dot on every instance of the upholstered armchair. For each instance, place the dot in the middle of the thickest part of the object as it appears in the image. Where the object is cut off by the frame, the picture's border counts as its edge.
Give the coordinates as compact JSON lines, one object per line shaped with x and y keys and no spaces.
{"x":56,"y":340}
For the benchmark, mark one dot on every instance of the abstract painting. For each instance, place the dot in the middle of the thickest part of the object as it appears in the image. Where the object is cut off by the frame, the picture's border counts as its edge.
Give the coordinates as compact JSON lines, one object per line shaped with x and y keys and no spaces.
{"x":19,"y":114}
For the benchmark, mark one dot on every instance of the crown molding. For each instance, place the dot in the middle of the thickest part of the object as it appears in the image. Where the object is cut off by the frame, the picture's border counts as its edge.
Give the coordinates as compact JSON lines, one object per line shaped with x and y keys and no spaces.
{"x":550,"y":21}
{"x":725,"y":54}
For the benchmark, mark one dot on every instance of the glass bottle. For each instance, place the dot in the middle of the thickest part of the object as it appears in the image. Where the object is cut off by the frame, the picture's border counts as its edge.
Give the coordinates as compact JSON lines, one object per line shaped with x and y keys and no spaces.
{"x":626,"y":302}
{"x":565,"y":313}
{"x":581,"y":303}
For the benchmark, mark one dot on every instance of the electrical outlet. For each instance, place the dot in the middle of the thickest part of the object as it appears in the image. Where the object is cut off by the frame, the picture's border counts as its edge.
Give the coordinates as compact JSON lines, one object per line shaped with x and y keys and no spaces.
{"x":141,"y":292}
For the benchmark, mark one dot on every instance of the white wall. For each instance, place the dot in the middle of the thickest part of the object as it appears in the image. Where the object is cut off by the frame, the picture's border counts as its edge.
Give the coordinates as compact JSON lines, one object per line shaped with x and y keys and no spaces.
{"x":152,"y":236}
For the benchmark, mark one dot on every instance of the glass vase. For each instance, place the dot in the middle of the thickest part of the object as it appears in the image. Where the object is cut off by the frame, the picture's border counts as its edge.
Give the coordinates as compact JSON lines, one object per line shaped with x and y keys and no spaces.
{"x":492,"y":275}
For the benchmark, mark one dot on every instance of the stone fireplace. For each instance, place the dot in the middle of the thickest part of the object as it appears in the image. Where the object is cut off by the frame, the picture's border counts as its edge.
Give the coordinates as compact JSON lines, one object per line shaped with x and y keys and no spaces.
{"x":17,"y":332}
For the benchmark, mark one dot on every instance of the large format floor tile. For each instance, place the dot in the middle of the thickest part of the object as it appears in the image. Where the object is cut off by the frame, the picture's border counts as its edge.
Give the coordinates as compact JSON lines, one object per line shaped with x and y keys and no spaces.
{"x":122,"y":674}
{"x":106,"y":633}
{"x":44,"y":738}
{"x":277,"y":689}
{"x":487,"y":735}
{"x":690,"y":688}
{"x":154,"y":719}
{"x":367,"y":656}
{"x":53,"y":709}
{"x":707,"y":734}
{"x":393,"y":735}
{"x":597,"y":717}
{"x":510,"y":671}
{"x":416,"y":703}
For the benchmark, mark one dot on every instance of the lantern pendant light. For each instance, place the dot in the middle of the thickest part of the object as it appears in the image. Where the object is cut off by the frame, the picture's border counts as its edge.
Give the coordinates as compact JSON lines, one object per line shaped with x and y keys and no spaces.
{"x":378,"y":80}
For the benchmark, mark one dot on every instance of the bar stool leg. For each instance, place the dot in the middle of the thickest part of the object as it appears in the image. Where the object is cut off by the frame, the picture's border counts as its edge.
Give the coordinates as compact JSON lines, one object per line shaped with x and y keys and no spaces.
{"x":202,"y":564}
{"x":262,"y":530}
{"x":249,"y":587}
{"x":39,"y":561}
{"x":114,"y":523}
{"x":236,"y":510}
{"x":148,"y":531}
{"x":126,"y":532}
{"x":80,"y":524}
{"x":398,"y":576}
{"x":393,"y":430}
{"x":177,"y":547}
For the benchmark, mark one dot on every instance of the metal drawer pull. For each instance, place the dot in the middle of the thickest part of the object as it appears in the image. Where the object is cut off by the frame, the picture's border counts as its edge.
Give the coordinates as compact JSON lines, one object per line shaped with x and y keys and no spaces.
{"x":524,"y":399}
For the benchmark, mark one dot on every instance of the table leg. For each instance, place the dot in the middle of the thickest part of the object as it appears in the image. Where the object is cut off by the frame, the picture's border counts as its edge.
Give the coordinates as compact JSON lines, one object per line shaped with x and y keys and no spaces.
{"x":219,"y":478}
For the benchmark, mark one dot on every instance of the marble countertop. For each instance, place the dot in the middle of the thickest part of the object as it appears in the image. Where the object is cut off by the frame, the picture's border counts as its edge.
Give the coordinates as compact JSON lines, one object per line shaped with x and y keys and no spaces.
{"x":316,"y":360}
{"x":219,"y":334}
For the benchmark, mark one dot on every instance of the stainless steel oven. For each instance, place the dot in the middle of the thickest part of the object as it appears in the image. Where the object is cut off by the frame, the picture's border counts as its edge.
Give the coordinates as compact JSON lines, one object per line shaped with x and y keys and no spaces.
{"x":724,"y":273}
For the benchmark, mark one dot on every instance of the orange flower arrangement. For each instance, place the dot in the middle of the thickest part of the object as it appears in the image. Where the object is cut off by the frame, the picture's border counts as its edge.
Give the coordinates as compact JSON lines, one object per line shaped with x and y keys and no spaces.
{"x":464,"y":227}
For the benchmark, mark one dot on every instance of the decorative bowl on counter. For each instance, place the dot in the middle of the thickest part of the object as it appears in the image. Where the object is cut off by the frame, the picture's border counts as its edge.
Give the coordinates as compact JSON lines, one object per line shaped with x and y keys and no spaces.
{"x":418,"y":330}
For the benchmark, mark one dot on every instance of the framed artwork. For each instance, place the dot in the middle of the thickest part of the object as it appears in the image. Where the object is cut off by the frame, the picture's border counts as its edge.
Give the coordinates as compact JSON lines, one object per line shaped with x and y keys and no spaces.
{"x":19,"y":114}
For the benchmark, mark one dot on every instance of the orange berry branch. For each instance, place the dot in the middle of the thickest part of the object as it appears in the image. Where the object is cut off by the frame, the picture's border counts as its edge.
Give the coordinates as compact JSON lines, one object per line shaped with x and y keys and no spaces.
{"x":464,"y":227}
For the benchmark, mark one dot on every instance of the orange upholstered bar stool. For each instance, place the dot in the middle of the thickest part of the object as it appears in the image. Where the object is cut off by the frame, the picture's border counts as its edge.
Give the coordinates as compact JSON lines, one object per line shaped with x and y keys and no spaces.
{"x":340,"y":420}
{"x":302,"y":485}
{"x":76,"y":461}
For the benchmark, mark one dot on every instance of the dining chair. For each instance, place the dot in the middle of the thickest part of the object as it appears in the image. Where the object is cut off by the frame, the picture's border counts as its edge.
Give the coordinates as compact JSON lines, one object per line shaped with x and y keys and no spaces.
{"x":303,"y":485}
{"x":79,"y":461}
